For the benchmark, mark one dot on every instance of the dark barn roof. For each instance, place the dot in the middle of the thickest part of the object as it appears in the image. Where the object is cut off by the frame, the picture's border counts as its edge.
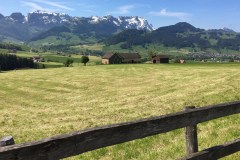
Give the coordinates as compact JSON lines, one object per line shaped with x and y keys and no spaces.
{"x":108,"y":55}
{"x":160,"y":56}
{"x":122,"y":55}
{"x":129,"y":55}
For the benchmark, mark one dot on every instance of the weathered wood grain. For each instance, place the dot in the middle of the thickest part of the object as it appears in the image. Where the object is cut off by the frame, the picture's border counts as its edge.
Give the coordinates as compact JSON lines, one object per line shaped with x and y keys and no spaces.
{"x":82,"y":141}
{"x":216,"y":152}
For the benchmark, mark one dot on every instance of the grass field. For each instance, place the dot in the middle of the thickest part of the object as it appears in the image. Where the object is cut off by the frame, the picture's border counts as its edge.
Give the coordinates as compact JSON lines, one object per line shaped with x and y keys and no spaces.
{"x":93,"y":47}
{"x":39,"y":103}
{"x":55,"y":60}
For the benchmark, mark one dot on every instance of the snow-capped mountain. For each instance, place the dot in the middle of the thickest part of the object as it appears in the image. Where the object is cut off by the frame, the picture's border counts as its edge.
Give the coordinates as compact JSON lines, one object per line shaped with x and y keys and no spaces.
{"x":128,"y":22}
{"x":45,"y":19}
{"x":38,"y":22}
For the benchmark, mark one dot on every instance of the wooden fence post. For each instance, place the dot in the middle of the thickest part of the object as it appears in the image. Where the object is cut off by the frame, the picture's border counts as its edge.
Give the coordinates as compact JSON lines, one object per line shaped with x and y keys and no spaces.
{"x":191,"y":137}
{"x":7,"y":141}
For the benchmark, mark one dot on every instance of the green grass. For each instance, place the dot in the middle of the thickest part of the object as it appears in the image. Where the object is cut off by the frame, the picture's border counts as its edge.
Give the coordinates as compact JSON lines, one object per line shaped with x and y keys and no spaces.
{"x":55,"y":60}
{"x":53,"y":40}
{"x":159,"y":49}
{"x":40,"y":103}
{"x":3,"y":51}
{"x":76,"y":58}
{"x":93,"y":47}
{"x":62,"y":39}
{"x":11,"y":39}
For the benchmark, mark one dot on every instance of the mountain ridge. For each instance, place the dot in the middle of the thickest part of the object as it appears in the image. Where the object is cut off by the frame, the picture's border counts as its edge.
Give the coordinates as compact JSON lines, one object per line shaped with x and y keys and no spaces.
{"x":180,"y":35}
{"x":40,"y":21}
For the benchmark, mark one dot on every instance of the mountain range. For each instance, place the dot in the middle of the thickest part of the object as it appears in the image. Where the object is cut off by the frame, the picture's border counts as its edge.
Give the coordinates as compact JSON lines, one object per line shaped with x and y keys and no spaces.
{"x":59,"y":31}
{"x":180,"y":35}
{"x":24,"y":28}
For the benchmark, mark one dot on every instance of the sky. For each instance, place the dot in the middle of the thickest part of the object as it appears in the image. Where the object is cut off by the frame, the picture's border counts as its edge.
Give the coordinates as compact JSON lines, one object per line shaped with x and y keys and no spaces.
{"x":205,"y":14}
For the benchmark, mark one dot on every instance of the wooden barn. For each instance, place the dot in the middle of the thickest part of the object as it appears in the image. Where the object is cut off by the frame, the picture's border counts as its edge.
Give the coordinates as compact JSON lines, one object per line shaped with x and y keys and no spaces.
{"x":160,"y":59}
{"x":118,"y":58}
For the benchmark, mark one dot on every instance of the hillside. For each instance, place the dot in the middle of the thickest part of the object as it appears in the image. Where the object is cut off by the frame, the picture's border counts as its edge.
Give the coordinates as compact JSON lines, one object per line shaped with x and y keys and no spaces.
{"x":12,"y":47}
{"x":180,"y":35}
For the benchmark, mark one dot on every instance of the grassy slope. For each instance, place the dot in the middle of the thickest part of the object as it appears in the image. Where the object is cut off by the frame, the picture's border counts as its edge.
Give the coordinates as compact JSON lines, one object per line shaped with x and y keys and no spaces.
{"x":41,"y":103}
{"x":93,"y":47}
{"x":159,"y":49}
{"x":63,"y":39}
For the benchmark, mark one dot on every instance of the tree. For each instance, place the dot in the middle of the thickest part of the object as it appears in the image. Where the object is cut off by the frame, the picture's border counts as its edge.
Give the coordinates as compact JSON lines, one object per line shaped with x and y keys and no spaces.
{"x":84,"y":60}
{"x":151,"y":53}
{"x":68,"y":62}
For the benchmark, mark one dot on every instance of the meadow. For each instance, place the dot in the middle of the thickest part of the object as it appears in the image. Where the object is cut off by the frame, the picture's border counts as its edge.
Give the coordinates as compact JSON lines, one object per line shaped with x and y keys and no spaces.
{"x":36,"y":104}
{"x":55,"y":61}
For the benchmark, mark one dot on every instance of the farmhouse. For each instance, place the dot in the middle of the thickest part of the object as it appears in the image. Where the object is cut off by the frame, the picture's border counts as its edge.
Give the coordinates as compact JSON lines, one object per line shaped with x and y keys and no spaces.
{"x":117,"y":58}
{"x":160,"y":59}
{"x":37,"y":59}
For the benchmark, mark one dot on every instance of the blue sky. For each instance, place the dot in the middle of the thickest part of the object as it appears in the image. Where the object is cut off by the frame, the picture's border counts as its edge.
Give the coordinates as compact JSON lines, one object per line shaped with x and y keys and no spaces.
{"x":207,"y":14}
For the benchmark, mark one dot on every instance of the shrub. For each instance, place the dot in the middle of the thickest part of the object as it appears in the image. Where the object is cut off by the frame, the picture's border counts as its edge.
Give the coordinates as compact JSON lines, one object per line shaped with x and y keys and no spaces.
{"x":68,"y":62}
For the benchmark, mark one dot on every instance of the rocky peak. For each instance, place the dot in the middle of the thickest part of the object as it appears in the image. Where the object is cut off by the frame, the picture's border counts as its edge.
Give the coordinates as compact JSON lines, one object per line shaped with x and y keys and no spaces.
{"x":17,"y":17}
{"x":135,"y":22}
{"x":41,"y":21}
{"x":127,"y":22}
{"x":48,"y":19}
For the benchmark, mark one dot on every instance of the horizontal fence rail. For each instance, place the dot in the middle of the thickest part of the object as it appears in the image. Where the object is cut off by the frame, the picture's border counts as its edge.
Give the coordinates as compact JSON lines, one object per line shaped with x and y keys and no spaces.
{"x":216,"y":152}
{"x":75,"y":143}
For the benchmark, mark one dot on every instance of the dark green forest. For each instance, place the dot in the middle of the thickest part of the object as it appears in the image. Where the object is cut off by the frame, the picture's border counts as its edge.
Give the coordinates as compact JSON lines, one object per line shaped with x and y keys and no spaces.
{"x":11,"y":62}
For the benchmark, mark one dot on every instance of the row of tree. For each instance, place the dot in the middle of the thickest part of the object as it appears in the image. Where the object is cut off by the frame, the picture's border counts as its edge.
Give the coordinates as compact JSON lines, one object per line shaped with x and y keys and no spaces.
{"x":11,"y":62}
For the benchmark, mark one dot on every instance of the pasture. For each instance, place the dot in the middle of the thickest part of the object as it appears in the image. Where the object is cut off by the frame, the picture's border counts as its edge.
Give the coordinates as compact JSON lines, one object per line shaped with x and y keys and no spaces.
{"x":55,"y":61}
{"x":92,"y":47}
{"x":39,"y":103}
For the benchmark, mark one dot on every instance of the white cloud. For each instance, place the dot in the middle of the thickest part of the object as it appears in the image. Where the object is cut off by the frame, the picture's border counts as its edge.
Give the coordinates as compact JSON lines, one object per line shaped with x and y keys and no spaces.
{"x":123,"y":9}
{"x":33,"y":6}
{"x":54,"y":4}
{"x":164,"y":13}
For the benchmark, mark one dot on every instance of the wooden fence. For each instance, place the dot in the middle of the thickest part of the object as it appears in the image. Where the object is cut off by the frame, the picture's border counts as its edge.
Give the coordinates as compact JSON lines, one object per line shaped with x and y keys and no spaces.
{"x":75,"y":143}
